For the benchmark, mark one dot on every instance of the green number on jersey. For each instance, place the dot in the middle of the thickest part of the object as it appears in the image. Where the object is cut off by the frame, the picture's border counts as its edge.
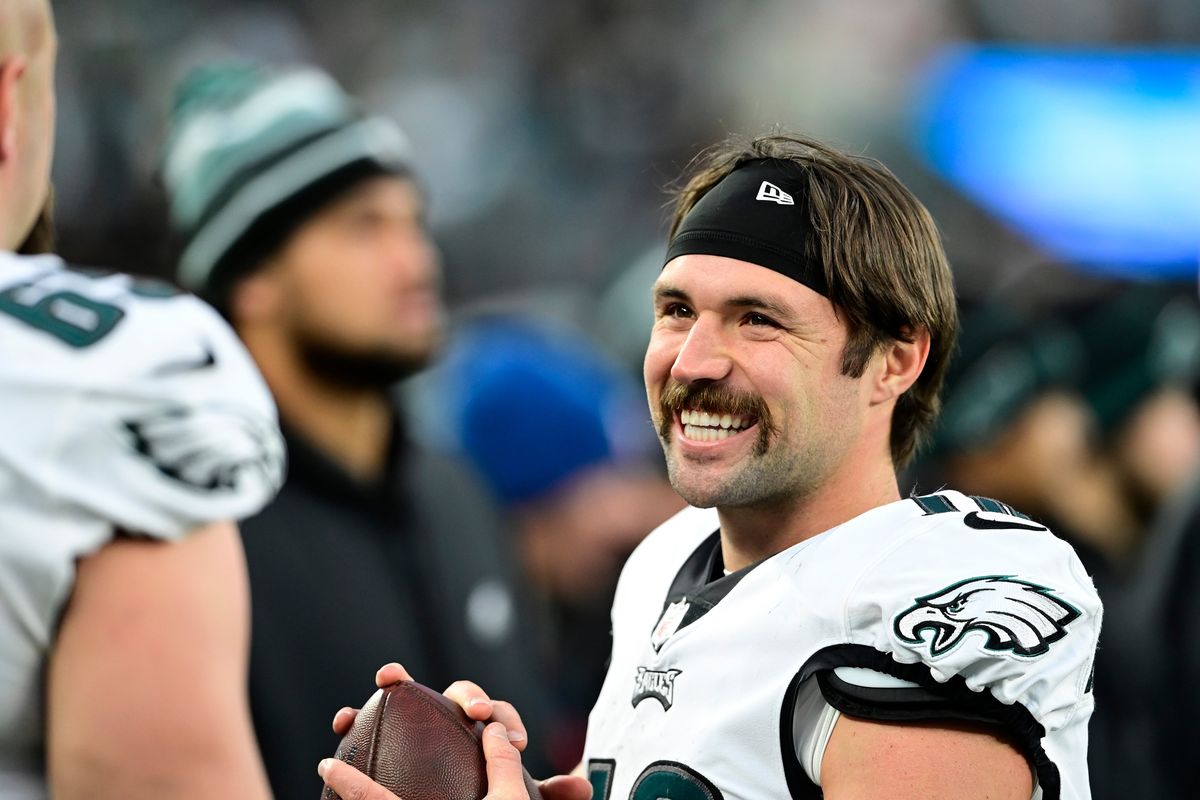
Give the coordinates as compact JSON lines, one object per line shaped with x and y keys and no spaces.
{"x":662,"y":780}
{"x":600,"y":772}
{"x":70,"y":317}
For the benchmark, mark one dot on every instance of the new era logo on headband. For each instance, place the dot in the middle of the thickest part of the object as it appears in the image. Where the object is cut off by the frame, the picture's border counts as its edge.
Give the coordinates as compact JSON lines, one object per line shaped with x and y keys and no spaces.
{"x":771,"y":192}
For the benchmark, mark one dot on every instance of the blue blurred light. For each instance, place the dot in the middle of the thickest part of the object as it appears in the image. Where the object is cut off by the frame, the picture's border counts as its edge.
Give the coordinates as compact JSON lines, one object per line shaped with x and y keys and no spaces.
{"x":1095,"y":156}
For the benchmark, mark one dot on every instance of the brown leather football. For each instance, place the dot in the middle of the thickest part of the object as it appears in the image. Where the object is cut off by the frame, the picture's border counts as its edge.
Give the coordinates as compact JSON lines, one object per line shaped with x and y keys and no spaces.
{"x":419,"y":745}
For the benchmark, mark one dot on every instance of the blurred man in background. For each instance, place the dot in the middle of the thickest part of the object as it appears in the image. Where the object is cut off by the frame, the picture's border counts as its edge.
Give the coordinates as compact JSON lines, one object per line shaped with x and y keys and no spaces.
{"x":1083,"y":417}
{"x":1015,"y":427}
{"x":1165,"y":610}
{"x":1143,"y":356}
{"x":302,"y":221}
{"x":135,"y":431}
{"x":1141,"y":382}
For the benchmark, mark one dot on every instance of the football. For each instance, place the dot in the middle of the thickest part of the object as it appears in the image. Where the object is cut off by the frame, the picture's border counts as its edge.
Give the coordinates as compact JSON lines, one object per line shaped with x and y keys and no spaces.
{"x":419,"y":745}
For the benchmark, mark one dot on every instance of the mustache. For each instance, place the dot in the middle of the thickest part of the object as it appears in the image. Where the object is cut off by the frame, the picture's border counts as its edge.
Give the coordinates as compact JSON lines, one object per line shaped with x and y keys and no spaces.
{"x":714,"y":398}
{"x":719,"y":399}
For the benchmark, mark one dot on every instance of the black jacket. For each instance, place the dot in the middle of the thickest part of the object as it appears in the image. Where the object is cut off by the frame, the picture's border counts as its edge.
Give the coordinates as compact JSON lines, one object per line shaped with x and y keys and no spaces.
{"x":346,"y":577}
{"x":1163,"y":651}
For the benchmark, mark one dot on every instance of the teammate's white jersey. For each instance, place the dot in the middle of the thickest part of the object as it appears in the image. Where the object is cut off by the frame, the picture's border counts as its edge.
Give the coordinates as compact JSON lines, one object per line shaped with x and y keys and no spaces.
{"x":990,"y":615}
{"x":123,"y":406}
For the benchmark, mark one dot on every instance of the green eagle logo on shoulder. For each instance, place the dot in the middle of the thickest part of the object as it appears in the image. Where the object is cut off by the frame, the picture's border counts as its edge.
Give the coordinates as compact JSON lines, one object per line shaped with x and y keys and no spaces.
{"x":1015,"y":616}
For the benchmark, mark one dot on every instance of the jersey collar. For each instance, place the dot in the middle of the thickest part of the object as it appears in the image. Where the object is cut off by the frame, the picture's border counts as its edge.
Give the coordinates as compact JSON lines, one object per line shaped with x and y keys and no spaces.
{"x":702,"y":581}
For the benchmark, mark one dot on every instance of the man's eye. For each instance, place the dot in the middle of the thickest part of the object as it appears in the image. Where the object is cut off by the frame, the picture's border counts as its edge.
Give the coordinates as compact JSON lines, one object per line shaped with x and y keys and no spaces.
{"x":677,"y":310}
{"x":363,"y":224}
{"x":755,"y":318}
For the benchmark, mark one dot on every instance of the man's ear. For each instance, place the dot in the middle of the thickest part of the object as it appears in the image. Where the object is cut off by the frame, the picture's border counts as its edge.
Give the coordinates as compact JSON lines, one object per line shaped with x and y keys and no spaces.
{"x":256,"y":298}
{"x":12,"y":69}
{"x":901,"y":365}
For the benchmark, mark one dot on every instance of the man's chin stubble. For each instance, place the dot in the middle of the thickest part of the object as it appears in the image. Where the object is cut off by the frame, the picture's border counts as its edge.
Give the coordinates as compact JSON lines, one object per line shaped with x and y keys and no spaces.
{"x":360,"y":369}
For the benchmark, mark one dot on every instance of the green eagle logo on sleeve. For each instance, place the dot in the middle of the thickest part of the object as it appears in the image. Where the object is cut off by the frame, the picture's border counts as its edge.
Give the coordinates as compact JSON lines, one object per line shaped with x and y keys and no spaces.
{"x":1015,"y":616}
{"x":210,"y":449}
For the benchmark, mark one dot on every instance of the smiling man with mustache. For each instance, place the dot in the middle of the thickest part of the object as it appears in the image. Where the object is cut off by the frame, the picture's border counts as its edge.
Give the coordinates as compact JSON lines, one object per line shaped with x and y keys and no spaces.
{"x":804,"y":630}
{"x":805,"y":316}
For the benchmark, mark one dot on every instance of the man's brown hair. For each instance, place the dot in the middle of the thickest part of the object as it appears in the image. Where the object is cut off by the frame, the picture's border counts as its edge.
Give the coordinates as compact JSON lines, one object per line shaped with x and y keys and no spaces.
{"x":882,"y":258}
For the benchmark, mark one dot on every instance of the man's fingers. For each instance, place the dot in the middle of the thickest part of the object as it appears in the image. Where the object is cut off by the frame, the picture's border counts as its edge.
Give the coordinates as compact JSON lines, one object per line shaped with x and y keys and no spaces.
{"x":506,"y":780}
{"x":384,"y":676}
{"x":349,"y":783}
{"x":566,"y":787}
{"x":344,"y":719}
{"x":506,"y":715}
{"x":391,"y":673}
{"x":472,"y":699}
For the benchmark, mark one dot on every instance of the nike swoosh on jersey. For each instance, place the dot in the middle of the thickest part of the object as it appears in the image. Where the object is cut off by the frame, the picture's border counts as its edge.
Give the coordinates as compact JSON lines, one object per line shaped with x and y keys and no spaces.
{"x":209,"y":359}
{"x":973,"y":520}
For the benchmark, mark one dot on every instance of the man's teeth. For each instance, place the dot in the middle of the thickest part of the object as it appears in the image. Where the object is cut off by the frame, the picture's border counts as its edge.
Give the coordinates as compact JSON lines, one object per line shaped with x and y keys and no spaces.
{"x":702,"y":426}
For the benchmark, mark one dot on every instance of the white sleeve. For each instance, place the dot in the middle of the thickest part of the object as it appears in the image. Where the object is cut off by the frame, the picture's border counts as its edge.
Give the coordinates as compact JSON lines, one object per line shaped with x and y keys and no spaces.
{"x":158,"y":426}
{"x":1000,"y":617}
{"x":1009,"y":612}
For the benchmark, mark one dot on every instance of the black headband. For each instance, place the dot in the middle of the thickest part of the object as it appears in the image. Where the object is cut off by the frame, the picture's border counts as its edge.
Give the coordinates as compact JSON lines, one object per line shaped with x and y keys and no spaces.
{"x":756,"y":214}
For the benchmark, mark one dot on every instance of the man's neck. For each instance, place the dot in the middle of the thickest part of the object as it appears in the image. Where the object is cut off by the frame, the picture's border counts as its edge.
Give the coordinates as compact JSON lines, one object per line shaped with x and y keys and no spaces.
{"x":352,"y":426}
{"x":752,"y":533}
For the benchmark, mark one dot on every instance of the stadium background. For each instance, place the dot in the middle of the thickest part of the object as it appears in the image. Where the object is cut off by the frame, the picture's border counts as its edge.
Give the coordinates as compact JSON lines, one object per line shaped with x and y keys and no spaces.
{"x":547,"y":131}
{"x":1055,"y":143}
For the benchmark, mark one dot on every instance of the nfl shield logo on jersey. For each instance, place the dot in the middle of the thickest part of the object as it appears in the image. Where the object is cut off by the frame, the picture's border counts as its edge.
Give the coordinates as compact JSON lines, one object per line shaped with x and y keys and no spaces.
{"x":669,"y":623}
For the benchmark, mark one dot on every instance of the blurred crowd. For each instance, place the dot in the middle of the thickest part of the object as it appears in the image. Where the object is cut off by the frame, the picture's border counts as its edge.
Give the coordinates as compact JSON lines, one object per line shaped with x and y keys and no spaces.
{"x":543,"y":130}
{"x":541,"y":137}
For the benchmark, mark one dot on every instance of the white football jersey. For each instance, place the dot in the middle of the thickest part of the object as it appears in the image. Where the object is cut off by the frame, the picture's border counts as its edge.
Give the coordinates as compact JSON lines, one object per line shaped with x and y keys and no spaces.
{"x":124,"y":405}
{"x":987,"y":613}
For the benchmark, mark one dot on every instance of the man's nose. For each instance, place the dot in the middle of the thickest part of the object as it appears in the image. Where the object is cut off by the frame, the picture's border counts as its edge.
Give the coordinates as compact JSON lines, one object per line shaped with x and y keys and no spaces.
{"x":414,"y":257}
{"x":704,"y":355}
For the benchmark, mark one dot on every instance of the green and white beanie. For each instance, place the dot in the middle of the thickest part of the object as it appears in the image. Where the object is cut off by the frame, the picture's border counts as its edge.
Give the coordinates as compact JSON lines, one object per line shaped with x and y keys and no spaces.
{"x":252,"y":151}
